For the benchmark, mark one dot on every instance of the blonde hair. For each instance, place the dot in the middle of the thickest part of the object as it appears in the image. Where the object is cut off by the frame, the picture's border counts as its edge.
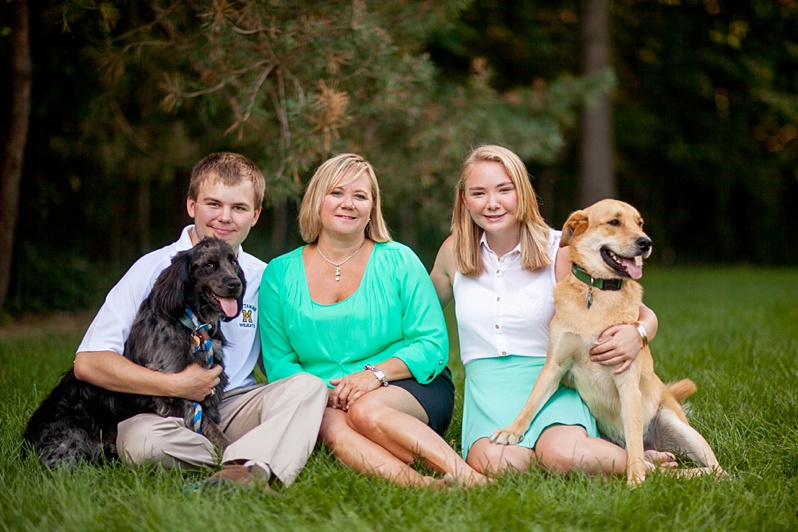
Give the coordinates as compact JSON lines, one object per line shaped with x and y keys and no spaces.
{"x":534,"y":230}
{"x":339,"y":171}
{"x":229,"y":169}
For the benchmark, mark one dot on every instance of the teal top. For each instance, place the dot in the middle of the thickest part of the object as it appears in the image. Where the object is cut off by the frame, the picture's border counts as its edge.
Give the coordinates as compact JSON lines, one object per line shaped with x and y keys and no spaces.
{"x":393,"y":313}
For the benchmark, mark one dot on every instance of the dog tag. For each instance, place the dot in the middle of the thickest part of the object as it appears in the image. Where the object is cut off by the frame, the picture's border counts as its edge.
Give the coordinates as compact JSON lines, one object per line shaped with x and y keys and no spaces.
{"x":197,"y":341}
{"x":589,"y":297}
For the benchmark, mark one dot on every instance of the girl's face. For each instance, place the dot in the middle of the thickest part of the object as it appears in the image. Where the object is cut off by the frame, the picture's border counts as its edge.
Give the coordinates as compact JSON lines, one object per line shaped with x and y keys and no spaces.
{"x":491,"y":198}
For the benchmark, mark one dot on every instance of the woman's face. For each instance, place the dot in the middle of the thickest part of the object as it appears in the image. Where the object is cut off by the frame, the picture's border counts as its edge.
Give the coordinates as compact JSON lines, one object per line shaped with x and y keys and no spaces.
{"x":346,"y":209}
{"x":491,"y":198}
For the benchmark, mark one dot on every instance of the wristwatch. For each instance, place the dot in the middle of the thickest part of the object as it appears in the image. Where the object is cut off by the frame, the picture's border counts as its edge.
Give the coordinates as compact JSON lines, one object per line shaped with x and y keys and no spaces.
{"x":377,"y":373}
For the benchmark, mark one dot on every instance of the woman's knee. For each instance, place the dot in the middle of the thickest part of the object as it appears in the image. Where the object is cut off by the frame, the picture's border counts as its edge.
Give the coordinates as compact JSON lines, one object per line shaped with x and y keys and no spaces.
{"x":366,"y":416}
{"x":335,"y":431}
{"x":559,"y":448}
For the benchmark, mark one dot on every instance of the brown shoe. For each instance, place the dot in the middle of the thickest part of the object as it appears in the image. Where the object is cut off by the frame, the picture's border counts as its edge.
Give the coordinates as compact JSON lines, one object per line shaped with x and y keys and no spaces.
{"x":244,"y":476}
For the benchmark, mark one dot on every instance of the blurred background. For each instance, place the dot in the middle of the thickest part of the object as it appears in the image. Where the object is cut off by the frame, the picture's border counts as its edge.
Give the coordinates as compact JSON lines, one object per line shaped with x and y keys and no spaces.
{"x":687,"y":109}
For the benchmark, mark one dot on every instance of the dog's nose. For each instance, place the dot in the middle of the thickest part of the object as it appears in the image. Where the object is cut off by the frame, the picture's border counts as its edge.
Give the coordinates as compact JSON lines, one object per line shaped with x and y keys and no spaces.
{"x":643,"y":244}
{"x":234,"y":284}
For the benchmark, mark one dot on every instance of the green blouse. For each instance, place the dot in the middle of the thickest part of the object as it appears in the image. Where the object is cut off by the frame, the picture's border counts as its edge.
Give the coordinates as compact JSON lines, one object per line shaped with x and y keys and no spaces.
{"x":393,"y":313}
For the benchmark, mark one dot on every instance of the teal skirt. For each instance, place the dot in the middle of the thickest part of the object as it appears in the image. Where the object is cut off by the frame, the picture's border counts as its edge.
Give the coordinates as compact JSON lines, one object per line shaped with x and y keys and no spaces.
{"x":496,"y":390}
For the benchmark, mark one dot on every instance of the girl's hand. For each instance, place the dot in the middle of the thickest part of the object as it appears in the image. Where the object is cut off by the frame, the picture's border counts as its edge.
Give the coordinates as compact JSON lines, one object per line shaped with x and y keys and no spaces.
{"x":619,"y":344}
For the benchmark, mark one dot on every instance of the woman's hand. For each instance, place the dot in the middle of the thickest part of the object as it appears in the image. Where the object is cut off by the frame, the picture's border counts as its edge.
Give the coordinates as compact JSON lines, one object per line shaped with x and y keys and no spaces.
{"x":350,"y":388}
{"x":619,"y":344}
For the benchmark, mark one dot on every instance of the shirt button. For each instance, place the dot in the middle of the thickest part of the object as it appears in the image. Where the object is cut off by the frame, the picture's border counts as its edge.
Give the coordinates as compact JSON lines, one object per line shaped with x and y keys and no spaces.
{"x":504,"y":353}
{"x":498,"y":299}
{"x":497,"y":326}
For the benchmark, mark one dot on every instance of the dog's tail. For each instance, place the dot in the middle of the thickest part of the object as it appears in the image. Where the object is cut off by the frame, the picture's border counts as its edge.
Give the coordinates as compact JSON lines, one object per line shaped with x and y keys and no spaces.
{"x":682,"y":389}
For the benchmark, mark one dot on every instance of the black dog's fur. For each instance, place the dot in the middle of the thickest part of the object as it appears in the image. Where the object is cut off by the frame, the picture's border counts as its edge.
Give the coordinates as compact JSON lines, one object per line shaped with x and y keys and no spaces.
{"x":78,"y":420}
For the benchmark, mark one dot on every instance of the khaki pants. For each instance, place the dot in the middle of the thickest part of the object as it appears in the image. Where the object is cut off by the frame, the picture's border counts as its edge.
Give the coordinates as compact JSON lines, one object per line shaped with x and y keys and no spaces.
{"x":276,"y":423}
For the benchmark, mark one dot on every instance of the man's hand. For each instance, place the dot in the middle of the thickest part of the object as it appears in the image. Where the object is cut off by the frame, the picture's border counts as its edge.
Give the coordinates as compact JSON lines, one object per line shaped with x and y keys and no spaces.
{"x":195,"y":383}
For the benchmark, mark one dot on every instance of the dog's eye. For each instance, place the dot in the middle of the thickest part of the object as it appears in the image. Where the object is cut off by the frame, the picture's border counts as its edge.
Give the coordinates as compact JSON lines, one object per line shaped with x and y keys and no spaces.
{"x":210,"y":265}
{"x":615,"y":222}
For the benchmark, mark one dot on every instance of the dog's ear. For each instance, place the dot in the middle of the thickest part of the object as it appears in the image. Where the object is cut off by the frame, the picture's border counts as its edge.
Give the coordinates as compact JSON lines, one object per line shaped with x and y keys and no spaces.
{"x":575,"y":224}
{"x":168,"y":293}
{"x":240,"y":300}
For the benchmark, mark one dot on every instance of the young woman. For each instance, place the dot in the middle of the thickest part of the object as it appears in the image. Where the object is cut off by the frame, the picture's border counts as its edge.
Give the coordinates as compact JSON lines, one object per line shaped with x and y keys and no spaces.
{"x":500,"y":265}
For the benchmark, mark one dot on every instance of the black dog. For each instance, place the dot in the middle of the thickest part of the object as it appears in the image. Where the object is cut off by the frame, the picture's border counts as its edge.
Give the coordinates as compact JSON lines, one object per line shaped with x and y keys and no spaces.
{"x":177,"y":325}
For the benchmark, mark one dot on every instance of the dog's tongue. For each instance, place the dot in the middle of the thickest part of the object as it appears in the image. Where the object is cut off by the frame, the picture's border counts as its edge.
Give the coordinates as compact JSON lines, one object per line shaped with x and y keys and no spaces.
{"x":229,"y":306}
{"x":634,"y":267}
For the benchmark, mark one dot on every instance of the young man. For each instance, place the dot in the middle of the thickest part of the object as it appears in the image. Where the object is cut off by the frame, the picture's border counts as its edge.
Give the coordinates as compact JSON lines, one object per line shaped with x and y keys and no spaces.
{"x":272,"y":427}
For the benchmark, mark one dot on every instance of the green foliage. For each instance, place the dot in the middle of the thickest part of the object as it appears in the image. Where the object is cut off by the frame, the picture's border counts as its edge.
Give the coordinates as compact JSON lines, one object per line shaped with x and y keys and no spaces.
{"x":729,"y":329}
{"x":129,"y":95}
{"x":290,"y":83}
{"x":284,"y":78}
{"x":59,"y":282}
{"x":707,"y":123}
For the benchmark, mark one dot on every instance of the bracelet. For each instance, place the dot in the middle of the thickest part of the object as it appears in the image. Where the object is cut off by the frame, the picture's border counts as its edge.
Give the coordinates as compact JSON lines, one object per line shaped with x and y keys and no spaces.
{"x":642,"y":331}
{"x":377,"y":373}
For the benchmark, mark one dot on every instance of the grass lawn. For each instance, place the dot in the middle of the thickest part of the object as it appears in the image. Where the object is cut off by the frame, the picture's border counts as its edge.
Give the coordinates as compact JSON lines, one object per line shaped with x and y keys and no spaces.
{"x":734,"y":331}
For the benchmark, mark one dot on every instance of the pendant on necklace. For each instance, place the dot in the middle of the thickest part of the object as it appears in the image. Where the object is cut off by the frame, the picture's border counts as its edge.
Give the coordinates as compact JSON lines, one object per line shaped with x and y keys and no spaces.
{"x":338,"y":265}
{"x":589,"y":297}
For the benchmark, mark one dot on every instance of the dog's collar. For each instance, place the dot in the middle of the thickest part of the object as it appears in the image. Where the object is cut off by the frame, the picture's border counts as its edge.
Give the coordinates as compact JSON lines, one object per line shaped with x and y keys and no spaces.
{"x":201,"y":333}
{"x":601,"y":284}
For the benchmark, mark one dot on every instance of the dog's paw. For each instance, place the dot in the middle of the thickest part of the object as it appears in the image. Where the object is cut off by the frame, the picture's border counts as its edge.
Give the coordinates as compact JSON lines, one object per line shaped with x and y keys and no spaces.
{"x":506,"y":436}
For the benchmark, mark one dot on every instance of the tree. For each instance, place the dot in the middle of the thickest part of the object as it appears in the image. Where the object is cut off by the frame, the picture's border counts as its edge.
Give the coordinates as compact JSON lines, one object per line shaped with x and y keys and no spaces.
{"x":14,"y":149}
{"x":596,"y":169}
{"x":294,"y":82}
{"x":707,"y":123}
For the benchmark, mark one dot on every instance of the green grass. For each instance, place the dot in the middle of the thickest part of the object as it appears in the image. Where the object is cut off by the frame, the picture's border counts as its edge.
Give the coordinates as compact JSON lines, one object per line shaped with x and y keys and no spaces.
{"x":734,"y":331}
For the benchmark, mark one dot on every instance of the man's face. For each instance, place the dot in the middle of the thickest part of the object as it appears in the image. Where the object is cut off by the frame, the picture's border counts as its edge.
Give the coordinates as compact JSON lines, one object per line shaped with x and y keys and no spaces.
{"x":227,"y":212}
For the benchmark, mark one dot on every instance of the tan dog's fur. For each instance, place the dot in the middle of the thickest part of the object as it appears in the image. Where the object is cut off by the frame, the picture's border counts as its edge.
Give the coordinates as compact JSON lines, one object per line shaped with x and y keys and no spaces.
{"x":629,"y":407}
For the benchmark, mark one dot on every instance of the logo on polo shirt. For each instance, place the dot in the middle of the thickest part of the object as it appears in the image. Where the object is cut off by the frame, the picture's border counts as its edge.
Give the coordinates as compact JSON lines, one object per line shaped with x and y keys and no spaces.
{"x":247,"y":313}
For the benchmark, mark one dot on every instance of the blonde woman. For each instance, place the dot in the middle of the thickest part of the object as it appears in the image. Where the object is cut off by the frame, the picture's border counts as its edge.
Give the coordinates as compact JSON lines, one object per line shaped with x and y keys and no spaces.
{"x":500,"y":265}
{"x":359,"y":311}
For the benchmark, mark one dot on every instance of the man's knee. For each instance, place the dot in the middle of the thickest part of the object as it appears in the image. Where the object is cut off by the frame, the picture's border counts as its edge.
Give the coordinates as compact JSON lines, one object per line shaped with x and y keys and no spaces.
{"x":307,"y":388}
{"x":311,"y":383}
{"x":142,"y":439}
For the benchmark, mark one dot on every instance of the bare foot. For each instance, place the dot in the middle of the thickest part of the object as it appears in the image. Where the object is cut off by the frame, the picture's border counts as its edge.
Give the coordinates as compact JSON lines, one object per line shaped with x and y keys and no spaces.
{"x":693,"y":472}
{"x":475,"y":479}
{"x":659,"y":460}
{"x":438,"y":484}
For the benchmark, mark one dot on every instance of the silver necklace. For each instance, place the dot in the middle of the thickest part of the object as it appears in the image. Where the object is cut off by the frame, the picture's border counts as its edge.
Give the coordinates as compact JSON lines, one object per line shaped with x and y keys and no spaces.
{"x":338,"y":265}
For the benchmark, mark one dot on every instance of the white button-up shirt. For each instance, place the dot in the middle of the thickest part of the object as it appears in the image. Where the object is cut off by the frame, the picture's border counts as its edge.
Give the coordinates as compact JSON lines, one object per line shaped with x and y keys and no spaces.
{"x":507,"y":309}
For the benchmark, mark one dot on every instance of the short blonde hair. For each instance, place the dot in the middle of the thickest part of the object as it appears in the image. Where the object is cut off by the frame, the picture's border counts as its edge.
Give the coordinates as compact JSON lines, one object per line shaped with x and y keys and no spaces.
{"x":229,"y":169}
{"x":338,"y":171}
{"x":467,"y":234}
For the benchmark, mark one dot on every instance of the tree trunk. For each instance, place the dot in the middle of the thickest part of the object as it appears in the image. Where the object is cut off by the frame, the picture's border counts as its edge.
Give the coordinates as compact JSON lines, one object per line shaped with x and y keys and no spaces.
{"x":14,"y":150}
{"x":596,"y":172}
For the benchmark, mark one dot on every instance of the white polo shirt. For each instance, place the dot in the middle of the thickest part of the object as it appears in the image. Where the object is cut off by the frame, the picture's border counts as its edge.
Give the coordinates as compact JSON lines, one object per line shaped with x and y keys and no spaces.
{"x":507,"y":309}
{"x":111,"y":325}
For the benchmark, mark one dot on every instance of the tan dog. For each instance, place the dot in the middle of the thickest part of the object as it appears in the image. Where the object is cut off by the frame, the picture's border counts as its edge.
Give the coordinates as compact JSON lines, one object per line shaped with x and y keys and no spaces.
{"x":608,"y":244}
